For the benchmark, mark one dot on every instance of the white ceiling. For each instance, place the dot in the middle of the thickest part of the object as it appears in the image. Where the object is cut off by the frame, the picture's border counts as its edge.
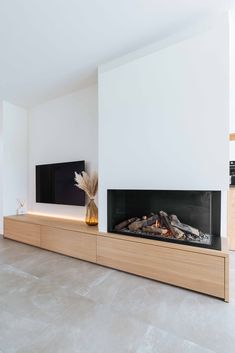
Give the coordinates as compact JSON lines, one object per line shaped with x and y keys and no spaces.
{"x":51,"y":47}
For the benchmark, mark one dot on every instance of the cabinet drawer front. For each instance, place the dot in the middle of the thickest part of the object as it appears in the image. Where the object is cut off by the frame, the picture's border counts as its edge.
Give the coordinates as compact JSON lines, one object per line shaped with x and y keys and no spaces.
{"x":24,"y":232}
{"x":76,"y":244}
{"x":196,"y":271}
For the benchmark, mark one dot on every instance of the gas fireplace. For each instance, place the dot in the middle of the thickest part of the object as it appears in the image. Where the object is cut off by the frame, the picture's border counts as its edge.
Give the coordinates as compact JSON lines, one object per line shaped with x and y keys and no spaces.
{"x":184,"y":217}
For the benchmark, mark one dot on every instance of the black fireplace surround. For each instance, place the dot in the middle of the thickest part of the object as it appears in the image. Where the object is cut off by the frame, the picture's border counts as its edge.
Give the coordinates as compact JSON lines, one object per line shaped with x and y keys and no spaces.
{"x":199,"y":209}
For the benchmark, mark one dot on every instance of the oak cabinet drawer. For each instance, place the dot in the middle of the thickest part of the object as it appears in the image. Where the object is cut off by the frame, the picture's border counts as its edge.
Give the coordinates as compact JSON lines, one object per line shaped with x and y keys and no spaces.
{"x":24,"y":232}
{"x":76,"y":244}
{"x":188,"y":269}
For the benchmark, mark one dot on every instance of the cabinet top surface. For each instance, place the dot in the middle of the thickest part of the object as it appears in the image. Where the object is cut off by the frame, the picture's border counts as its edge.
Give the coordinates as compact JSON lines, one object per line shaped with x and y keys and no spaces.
{"x":56,"y":222}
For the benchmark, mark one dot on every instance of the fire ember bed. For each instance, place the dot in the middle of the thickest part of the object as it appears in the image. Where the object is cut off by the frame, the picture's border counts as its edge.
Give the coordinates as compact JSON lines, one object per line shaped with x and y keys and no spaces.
{"x":163,"y":226}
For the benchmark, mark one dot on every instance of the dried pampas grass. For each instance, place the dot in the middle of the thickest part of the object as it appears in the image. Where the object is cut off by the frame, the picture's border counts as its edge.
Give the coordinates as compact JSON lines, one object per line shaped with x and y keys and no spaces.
{"x":86,"y":183}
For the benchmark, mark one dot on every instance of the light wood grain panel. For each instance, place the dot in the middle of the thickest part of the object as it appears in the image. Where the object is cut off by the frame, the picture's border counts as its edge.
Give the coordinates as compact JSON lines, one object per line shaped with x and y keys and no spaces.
{"x":56,"y":222}
{"x":24,"y":232}
{"x":232,"y":136}
{"x":81,"y":246}
{"x":226,"y":275}
{"x":196,"y":271}
{"x":231,"y":218}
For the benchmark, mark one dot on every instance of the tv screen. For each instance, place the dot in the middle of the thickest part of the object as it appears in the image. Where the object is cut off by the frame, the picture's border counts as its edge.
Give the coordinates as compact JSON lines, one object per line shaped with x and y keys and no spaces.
{"x":55,"y":184}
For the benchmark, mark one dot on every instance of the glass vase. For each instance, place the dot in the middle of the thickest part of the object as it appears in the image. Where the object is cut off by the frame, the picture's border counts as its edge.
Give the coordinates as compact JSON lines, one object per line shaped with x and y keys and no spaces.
{"x":91,"y":213}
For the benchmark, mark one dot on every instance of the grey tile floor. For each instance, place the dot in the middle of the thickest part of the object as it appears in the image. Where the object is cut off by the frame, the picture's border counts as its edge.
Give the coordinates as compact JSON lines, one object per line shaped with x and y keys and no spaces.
{"x":50,"y":303}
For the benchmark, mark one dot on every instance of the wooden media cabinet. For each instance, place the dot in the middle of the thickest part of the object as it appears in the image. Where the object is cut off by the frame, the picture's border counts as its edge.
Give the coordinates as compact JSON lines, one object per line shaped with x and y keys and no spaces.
{"x":199,"y":269}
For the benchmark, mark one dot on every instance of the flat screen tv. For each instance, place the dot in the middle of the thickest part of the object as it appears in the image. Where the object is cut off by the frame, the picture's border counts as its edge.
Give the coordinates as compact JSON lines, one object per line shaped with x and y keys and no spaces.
{"x":55,"y":184}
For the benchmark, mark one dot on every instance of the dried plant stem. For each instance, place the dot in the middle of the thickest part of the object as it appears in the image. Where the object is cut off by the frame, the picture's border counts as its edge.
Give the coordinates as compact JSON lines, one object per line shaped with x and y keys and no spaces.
{"x":86,"y":183}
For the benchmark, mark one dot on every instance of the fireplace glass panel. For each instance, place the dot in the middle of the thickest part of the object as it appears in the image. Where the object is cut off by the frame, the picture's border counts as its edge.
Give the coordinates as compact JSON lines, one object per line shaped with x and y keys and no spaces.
{"x":198,"y":209}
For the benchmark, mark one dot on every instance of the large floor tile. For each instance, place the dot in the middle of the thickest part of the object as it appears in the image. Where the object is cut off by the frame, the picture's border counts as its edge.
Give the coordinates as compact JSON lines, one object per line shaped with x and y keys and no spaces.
{"x":51,"y":303}
{"x":43,"y":263}
{"x":206,"y":321}
{"x":78,"y":277}
{"x":13,"y":280}
{"x":18,"y":331}
{"x":40,"y":300}
{"x":16,"y":252}
{"x":98,"y":330}
{"x":160,"y":341}
{"x":143,"y":299}
{"x":88,"y":327}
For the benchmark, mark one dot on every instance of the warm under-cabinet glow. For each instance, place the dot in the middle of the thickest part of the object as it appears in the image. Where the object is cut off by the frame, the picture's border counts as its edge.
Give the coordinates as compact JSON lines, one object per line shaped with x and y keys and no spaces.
{"x":56,"y":216}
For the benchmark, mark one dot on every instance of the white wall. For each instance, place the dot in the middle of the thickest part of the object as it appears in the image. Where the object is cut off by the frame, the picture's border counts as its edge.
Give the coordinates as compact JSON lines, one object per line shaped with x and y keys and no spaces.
{"x":232,"y":150}
{"x":232,"y":69}
{"x":164,"y":119}
{"x":63,"y":130}
{"x":232,"y":82}
{"x":1,"y":167}
{"x":13,"y":157}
